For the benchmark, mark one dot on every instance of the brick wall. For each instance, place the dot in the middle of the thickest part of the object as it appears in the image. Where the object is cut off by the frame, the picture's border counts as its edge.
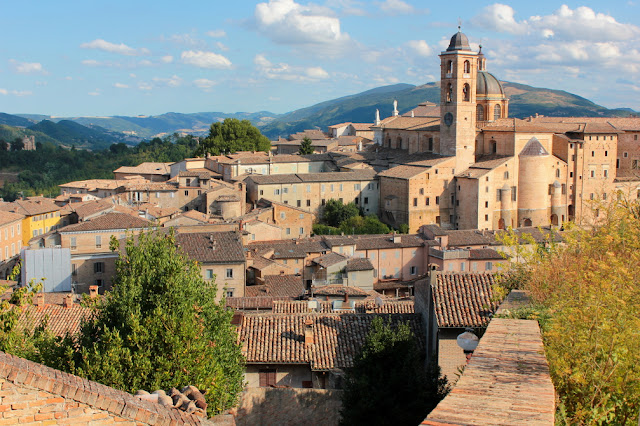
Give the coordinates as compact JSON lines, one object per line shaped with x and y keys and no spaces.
{"x":34,"y":394}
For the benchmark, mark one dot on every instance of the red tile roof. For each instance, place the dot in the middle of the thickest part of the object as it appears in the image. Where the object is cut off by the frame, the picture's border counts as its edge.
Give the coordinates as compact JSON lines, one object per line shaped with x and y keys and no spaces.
{"x":9,"y":217}
{"x":30,"y":207}
{"x":212,"y":247}
{"x":108,"y":222}
{"x":278,"y":286}
{"x":464,"y":299}
{"x":362,"y":307}
{"x":60,"y":320}
{"x":280,"y":338}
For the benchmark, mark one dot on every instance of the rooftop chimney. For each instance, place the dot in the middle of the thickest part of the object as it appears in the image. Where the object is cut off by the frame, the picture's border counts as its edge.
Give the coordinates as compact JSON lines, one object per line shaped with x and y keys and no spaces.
{"x":40,"y":299}
{"x":93,"y":291}
{"x":308,"y":332}
{"x":68,"y":301}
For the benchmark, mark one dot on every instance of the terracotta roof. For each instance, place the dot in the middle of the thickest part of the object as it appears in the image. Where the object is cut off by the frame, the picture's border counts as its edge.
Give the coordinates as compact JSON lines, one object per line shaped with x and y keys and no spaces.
{"x":464,"y":299}
{"x":485,"y":253}
{"x":278,"y":286}
{"x":360,"y":127}
{"x":89,"y":208}
{"x":359,"y":264}
{"x":280,"y":338}
{"x":108,"y":222}
{"x":95,"y":395}
{"x":212,"y":247}
{"x":7,"y":217}
{"x":329,"y":259}
{"x":515,"y":125}
{"x":288,"y":251}
{"x":385,"y":241}
{"x":409,"y":123}
{"x":621,"y":123}
{"x":196,"y":215}
{"x":362,"y":307}
{"x":533,"y":148}
{"x":506,"y":382}
{"x":340,"y":290}
{"x":311,"y":134}
{"x":60,"y":320}
{"x":146,"y":185}
{"x":93,"y":184}
{"x":200,"y":174}
{"x":360,"y":175}
{"x":338,"y":240}
{"x":425,"y":109}
{"x":404,"y":172}
{"x":30,"y":207}
{"x":146,"y":168}
{"x":158,"y":212}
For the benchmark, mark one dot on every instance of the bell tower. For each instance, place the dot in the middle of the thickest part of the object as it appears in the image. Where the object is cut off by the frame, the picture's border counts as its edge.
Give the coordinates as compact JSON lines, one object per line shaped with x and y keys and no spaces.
{"x":458,"y":77}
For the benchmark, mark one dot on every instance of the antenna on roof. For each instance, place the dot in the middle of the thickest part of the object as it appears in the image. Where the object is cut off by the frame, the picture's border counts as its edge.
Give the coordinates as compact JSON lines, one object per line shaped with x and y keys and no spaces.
{"x":459,"y":23}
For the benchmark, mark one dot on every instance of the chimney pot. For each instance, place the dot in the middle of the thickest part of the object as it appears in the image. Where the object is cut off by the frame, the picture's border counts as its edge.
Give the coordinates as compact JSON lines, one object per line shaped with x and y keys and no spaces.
{"x":308,"y":332}
{"x":40,"y":299}
{"x":68,"y":301}
{"x":93,"y":291}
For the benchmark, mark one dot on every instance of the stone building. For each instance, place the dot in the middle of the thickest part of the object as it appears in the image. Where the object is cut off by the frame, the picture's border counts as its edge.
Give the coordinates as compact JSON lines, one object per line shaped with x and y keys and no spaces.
{"x":505,"y":172}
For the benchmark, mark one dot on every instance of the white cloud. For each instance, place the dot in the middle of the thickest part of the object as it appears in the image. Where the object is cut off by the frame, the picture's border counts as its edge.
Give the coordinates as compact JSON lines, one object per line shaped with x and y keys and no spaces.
{"x":132,"y":75}
{"x":173,"y":81}
{"x":144,"y":86}
{"x":204,"y":83}
{"x":27,"y":67}
{"x":167,"y":59}
{"x":4,"y":92}
{"x":145,"y":63}
{"x":501,"y":18}
{"x":188,"y":40}
{"x":91,"y":63}
{"x":94,"y":93}
{"x":21,"y":93}
{"x":121,"y":49}
{"x":283,"y":71}
{"x":205,"y":59}
{"x":221,"y":46}
{"x":68,"y":78}
{"x":217,"y":33}
{"x":288,"y":22}
{"x":120,"y":85}
{"x":396,"y":7}
{"x":420,"y":47}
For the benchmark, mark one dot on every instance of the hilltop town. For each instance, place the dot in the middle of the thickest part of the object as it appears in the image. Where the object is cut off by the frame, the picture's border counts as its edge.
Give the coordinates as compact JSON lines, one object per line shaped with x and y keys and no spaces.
{"x":450,"y":181}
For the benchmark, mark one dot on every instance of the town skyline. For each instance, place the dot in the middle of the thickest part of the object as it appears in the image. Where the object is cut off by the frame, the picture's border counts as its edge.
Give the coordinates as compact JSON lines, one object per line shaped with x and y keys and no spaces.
{"x":282,"y":55}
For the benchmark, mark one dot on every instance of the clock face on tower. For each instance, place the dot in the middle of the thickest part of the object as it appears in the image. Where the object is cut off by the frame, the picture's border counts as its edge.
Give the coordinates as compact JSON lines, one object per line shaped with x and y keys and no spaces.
{"x":448,"y":119}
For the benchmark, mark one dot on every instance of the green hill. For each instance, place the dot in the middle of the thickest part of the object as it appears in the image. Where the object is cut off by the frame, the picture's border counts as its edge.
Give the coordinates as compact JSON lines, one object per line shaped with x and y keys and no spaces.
{"x":67,"y":132}
{"x":14,"y":120}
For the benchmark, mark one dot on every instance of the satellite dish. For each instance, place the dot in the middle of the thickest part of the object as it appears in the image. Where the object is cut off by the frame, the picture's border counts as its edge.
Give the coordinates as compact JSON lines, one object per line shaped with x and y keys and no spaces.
{"x":468,"y":341}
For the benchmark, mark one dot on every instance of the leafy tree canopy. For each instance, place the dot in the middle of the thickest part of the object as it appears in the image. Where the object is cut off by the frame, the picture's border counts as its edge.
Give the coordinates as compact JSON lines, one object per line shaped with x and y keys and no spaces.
{"x":161,"y":327}
{"x":335,"y":211}
{"x":389,"y":383}
{"x":233,"y":135}
{"x":305,"y":146}
{"x":588,"y":298}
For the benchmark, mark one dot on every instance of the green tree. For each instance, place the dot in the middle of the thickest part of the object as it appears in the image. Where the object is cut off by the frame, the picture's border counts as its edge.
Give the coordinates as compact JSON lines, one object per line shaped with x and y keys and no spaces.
{"x":403,"y":228}
{"x":17,"y":145}
{"x":335,"y":212}
{"x":305,"y":146}
{"x":388,"y":383}
{"x":588,"y":289}
{"x":233,"y":135}
{"x":161,"y":327}
{"x":369,"y":224}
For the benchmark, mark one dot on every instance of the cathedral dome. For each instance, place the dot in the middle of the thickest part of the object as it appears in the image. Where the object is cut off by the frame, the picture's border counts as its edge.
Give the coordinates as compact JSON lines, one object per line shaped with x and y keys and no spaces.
{"x":459,"y":41}
{"x":488,"y":85}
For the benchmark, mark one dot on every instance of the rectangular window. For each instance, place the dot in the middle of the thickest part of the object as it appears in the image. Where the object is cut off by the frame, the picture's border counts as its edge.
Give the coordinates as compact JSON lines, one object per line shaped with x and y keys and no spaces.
{"x":356,"y":187}
{"x":74,"y":269}
{"x":322,"y":187}
{"x":341,"y":187}
{"x":229,"y":292}
{"x":308,"y":188}
{"x":605,"y":173}
{"x":186,"y":193}
{"x":514,"y":193}
{"x":261,"y":192}
{"x":301,"y":231}
{"x":298,"y":203}
{"x":366,"y":200}
{"x":634,"y":164}
{"x":98,"y":267}
{"x":283,"y":215}
{"x":415,"y":202}
{"x":209,"y":274}
{"x":73,"y":243}
{"x":372,"y":256}
{"x":486,"y":218}
{"x":564,"y":188}
{"x":463,"y":266}
{"x":309,"y":203}
{"x":98,"y":241}
{"x":288,"y":231}
{"x":229,"y":273}
{"x":426,"y":201}
{"x":331,"y":187}
{"x":413,"y":270}
{"x":421,"y":191}
{"x":437,"y":200}
{"x":276,"y":192}
{"x":488,"y":266}
{"x":486,"y":204}
{"x":267,"y":378}
{"x":474,"y":266}
{"x":592,"y":173}
{"x":285,"y":190}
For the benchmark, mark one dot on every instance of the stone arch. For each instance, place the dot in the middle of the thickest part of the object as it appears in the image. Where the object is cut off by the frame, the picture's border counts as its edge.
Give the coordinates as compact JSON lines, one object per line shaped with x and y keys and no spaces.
{"x":554,"y":219}
{"x":501,"y":223}
{"x":467,"y":67}
{"x":527,"y":222}
{"x":466,"y":92}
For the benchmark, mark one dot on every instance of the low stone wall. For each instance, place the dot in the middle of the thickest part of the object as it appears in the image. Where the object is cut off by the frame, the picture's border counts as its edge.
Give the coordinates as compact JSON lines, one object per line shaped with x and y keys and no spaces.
{"x":289,"y":406}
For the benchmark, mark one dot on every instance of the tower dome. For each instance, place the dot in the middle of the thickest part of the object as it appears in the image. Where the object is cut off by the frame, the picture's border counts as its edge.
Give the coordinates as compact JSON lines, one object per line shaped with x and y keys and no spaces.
{"x":488,"y":86}
{"x":459,"y":41}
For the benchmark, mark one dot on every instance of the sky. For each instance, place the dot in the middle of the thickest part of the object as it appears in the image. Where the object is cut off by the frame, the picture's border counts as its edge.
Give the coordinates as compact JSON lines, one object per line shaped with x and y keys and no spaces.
{"x":137,"y":57}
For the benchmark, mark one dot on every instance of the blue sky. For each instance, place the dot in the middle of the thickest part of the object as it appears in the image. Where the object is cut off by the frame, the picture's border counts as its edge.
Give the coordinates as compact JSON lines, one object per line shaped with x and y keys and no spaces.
{"x":72,"y":58}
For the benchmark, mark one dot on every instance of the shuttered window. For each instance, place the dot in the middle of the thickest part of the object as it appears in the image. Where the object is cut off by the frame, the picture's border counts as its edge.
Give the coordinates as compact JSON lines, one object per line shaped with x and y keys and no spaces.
{"x":267,"y":378}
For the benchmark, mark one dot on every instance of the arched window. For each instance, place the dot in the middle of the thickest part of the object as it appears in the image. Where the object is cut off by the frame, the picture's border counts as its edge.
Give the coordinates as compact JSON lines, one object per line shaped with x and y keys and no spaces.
{"x":449,"y":92}
{"x":480,"y":113}
{"x":399,"y":142}
{"x":497,"y":112}
{"x":449,"y":67}
{"x":494,"y":146}
{"x":467,"y":67}
{"x":466,"y":92}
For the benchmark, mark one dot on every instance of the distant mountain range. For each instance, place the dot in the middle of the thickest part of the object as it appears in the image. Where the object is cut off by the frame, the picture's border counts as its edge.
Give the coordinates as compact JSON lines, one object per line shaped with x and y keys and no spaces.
{"x":101,"y":132}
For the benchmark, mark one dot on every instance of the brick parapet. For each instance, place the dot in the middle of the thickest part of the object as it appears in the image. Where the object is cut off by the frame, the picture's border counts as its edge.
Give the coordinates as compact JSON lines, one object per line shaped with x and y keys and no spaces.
{"x":53,"y":391}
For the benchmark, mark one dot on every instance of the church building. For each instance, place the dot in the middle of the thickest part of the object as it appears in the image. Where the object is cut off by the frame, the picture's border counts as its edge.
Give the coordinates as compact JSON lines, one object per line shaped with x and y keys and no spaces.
{"x":489,"y":171}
